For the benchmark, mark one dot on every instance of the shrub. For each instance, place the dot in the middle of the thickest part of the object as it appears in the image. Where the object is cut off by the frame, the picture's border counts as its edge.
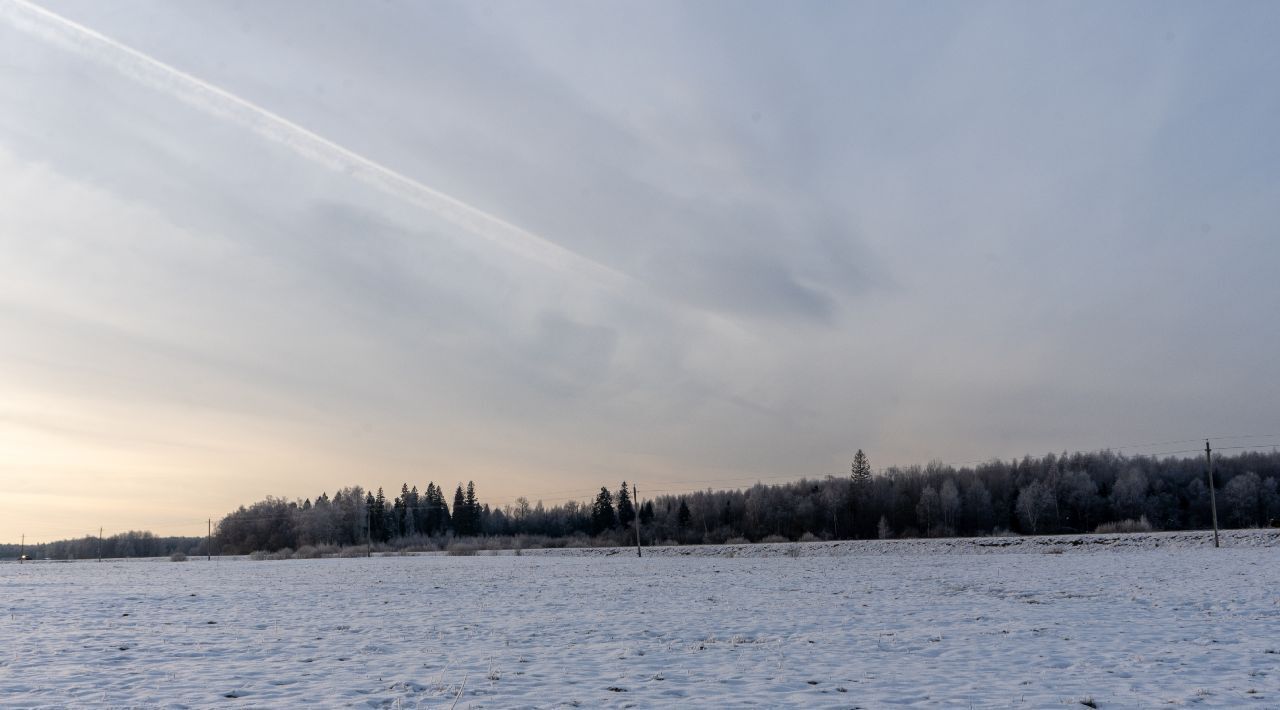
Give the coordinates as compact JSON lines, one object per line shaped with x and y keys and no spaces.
{"x":258,"y":555}
{"x":1140,"y":525}
{"x":737,"y":541}
{"x":306,"y":552}
{"x":774,"y":538}
{"x":808,"y":537}
{"x":282,"y":554}
{"x":178,"y":557}
{"x":717,"y":536}
{"x":461,"y":549}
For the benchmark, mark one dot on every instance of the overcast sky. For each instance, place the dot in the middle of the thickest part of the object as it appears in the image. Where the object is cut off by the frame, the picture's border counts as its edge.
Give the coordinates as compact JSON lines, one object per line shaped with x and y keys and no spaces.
{"x":256,"y":248}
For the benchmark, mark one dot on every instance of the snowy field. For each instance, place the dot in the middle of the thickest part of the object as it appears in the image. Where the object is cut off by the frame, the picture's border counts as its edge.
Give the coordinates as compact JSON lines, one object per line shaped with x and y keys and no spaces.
{"x":859,"y":625}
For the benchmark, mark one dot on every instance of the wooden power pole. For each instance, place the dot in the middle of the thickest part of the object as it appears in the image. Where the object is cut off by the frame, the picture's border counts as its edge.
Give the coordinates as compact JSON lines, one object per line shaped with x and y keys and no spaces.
{"x":636,"y":504}
{"x":1213,"y":501}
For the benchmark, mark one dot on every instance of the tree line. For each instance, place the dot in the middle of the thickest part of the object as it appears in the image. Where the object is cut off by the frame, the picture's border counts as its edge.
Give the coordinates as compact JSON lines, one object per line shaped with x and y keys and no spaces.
{"x":1055,"y":493}
{"x":134,"y":543}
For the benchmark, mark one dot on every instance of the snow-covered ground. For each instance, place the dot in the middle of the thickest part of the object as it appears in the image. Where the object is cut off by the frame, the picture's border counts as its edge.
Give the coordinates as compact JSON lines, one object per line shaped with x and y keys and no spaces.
{"x":1134,"y":625}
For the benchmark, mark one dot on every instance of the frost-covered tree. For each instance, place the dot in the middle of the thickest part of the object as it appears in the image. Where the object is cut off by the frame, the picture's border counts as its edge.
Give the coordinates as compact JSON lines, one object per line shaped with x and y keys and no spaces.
{"x":928,"y":509}
{"x":976,"y":509}
{"x":1078,"y":501}
{"x":1033,"y":504}
{"x":860,"y":471}
{"x":1129,"y":496}
{"x":949,"y":505}
{"x":1241,"y":499}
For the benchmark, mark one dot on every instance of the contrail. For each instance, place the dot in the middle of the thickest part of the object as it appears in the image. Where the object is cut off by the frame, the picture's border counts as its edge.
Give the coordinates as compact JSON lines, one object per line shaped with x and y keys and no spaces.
{"x":149,"y":71}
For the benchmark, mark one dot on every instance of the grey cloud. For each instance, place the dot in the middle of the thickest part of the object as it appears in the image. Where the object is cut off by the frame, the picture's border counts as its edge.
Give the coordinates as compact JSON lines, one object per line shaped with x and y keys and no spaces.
{"x":886,"y":227}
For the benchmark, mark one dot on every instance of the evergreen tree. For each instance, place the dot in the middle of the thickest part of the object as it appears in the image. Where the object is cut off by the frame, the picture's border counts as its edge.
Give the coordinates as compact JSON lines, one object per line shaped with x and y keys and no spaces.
{"x":683,"y":516}
{"x":404,"y":515}
{"x":472,"y":510}
{"x":433,"y":519}
{"x":372,"y":518}
{"x":382,"y":527}
{"x":602,"y":515}
{"x":646,"y":513}
{"x":459,"y":512}
{"x":626,"y":511}
{"x":445,"y":519}
{"x":414,"y":504}
{"x":861,"y":469}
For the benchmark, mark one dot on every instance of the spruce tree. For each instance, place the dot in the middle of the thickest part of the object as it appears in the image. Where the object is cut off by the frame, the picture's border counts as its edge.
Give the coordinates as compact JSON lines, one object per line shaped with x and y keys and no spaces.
{"x":683,"y":516}
{"x":434,"y":519}
{"x":602,"y":515}
{"x":442,"y":508}
{"x":473,"y":509}
{"x":398,"y":517}
{"x":373,"y":516}
{"x":414,"y":503}
{"x":626,"y":511}
{"x":460,"y":512}
{"x":382,"y":516}
{"x":646,"y":513}
{"x":861,"y":469}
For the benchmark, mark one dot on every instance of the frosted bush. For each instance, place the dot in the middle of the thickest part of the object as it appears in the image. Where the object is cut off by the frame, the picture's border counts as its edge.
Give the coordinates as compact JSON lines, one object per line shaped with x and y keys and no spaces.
{"x":462,"y":549}
{"x":1125,"y":526}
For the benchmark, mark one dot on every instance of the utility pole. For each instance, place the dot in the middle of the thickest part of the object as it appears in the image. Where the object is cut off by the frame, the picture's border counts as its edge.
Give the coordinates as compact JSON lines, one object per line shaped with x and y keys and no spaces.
{"x":636,"y":504}
{"x":208,"y":542}
{"x":368,"y":533}
{"x":1213,"y":501}
{"x":99,"y":543}
{"x":22,"y":549}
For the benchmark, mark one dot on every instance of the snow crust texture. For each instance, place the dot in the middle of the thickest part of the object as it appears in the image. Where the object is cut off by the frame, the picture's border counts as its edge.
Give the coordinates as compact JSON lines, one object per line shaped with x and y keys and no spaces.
{"x":1116,"y":626}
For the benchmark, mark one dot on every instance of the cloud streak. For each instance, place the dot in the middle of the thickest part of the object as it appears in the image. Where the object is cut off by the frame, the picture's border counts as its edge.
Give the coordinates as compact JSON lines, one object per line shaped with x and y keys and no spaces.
{"x":149,"y":71}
